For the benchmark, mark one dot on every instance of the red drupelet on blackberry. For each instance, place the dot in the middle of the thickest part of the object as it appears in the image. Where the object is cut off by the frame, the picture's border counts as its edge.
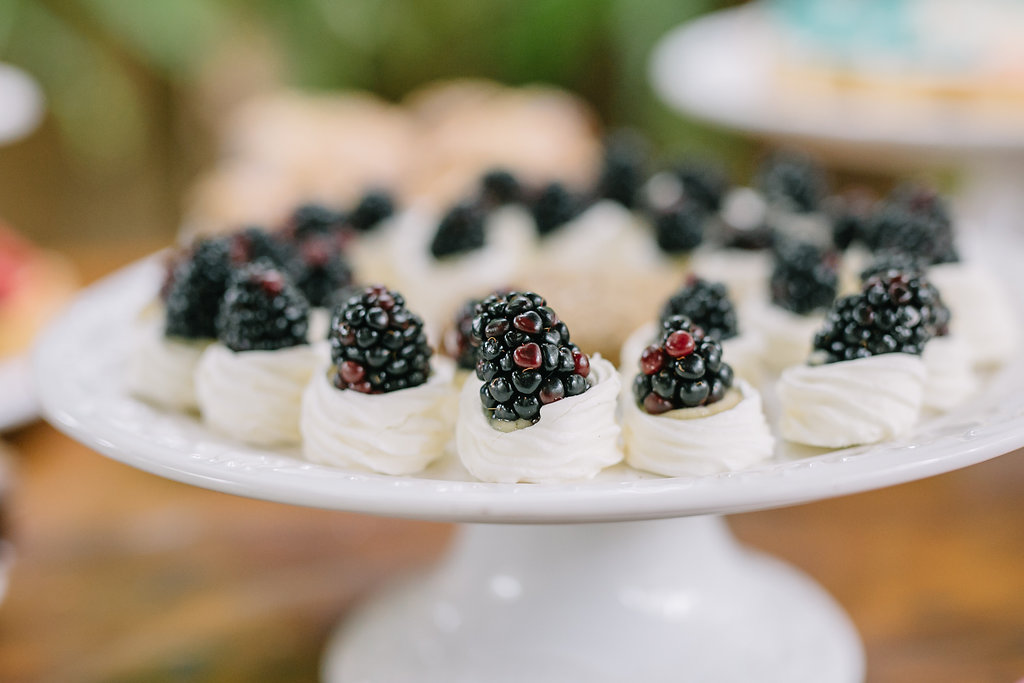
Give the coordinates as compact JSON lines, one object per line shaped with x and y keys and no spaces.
{"x":707,"y":305}
{"x":805,"y":277}
{"x":524,"y":356}
{"x":895,"y":313}
{"x":377,"y":345}
{"x":460,"y":231}
{"x":682,"y":369}
{"x":262,"y":311}
{"x":196,"y":290}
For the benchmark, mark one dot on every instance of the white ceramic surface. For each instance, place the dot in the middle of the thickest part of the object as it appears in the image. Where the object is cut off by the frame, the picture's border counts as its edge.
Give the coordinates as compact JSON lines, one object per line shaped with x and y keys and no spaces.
{"x":79,"y":365}
{"x":22,"y":104}
{"x":18,"y":403}
{"x":647,"y":602}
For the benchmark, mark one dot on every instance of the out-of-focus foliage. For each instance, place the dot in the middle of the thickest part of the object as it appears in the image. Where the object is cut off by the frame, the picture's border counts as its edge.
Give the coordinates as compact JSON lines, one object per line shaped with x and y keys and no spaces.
{"x":98,"y":60}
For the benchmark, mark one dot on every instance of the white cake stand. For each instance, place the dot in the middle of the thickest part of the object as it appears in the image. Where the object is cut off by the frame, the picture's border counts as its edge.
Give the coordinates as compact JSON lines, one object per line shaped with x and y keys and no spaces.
{"x":625,"y":578}
{"x":725,"y":68}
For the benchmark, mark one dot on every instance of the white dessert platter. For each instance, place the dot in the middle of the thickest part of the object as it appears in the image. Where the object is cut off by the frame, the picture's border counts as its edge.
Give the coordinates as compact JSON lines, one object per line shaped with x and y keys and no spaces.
{"x":722,"y":69}
{"x":626,"y":577}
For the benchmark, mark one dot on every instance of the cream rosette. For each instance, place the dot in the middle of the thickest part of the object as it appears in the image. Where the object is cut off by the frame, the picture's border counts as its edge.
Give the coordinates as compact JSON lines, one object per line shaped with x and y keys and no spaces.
{"x":852,"y":402}
{"x":787,"y":338}
{"x":574,"y":439}
{"x":951,"y":379}
{"x":254,"y":396}
{"x":399,"y":432}
{"x":980,"y":311}
{"x":729,"y":435}
{"x":161,"y":369}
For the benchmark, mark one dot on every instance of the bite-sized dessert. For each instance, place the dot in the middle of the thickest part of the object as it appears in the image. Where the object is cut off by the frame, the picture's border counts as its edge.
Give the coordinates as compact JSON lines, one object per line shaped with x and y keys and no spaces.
{"x":383,"y":402}
{"x":687,"y":415}
{"x":803,"y":284}
{"x":171,"y":335}
{"x":868,"y":381}
{"x":249,"y":383}
{"x":539,"y":410}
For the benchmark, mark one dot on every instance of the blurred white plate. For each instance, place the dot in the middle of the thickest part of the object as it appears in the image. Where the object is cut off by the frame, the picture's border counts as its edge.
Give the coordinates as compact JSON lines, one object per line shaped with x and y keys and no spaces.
{"x":21,"y":104}
{"x":18,"y":403}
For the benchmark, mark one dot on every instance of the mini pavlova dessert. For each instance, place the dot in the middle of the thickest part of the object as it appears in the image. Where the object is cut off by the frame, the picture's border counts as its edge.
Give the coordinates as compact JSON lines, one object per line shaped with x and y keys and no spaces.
{"x":803,"y":285}
{"x":866,"y":379}
{"x":383,"y":402}
{"x":171,"y":335}
{"x":687,"y":415}
{"x":539,"y":409}
{"x":249,"y":383}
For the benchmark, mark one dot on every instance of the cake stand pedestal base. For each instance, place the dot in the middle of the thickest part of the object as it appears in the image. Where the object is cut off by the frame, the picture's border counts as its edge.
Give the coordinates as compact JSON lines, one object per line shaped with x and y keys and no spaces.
{"x":650,"y":601}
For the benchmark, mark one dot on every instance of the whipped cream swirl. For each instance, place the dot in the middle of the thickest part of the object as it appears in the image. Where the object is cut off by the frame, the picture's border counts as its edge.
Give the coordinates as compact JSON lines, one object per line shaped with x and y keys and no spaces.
{"x":161,"y":369}
{"x":400,"y":432}
{"x":575,"y":438}
{"x":685,"y":443}
{"x":851,"y":402}
{"x":788,"y":338}
{"x":980,"y":311}
{"x":951,"y":379}
{"x":254,"y":396}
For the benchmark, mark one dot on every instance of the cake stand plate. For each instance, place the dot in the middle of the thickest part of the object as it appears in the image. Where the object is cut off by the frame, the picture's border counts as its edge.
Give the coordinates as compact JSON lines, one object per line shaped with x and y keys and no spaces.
{"x":541,"y":598}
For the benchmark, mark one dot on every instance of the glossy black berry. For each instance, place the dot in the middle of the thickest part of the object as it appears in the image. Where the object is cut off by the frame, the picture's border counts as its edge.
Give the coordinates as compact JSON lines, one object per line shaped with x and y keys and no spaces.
{"x":680,"y":227}
{"x":377,"y":345}
{"x":895,"y":313}
{"x":524,"y":356}
{"x":197,"y":289}
{"x":458,"y":341}
{"x":262,"y":311}
{"x":683,"y":368}
{"x":555,"y":206}
{"x":373,"y":208}
{"x":622,"y":169}
{"x":804,"y":278}
{"x":460,"y":231}
{"x":793,"y":181}
{"x":707,"y":305}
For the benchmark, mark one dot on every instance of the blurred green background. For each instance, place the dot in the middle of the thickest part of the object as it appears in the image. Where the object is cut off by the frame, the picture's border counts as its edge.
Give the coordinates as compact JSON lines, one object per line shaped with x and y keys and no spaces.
{"x":136,"y":88}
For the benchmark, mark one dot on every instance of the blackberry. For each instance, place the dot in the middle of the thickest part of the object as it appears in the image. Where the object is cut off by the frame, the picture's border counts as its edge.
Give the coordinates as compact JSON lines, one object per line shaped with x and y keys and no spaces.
{"x":262,"y":311}
{"x":680,"y":228}
{"x":682,"y":369}
{"x":374,"y":207}
{"x":171,"y":261}
{"x":851,"y":214}
{"x":792,"y":180}
{"x":460,"y":231}
{"x":311,"y":220}
{"x":554,"y":207}
{"x":458,"y":341}
{"x":748,"y":239}
{"x":320,"y":269}
{"x":254,"y":244}
{"x":887,"y":260}
{"x":377,"y":344}
{"x":916,"y":221}
{"x":707,"y":305}
{"x":805,"y":277}
{"x":194,"y":297}
{"x":704,"y":184}
{"x":524,"y":357}
{"x":622,"y":170}
{"x":499,"y":187}
{"x":893,"y":314}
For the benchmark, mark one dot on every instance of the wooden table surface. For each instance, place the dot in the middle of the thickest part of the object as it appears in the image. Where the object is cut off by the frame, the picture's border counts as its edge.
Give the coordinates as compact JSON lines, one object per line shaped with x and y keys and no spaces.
{"x":123,"y":576}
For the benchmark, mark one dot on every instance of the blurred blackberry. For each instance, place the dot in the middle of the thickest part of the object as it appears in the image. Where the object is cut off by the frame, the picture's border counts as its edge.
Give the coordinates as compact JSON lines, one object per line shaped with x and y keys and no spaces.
{"x":311,"y":220}
{"x":622,"y":169}
{"x":460,"y":231}
{"x":194,"y":297}
{"x":707,"y":305}
{"x":319,"y":269}
{"x":499,"y":187}
{"x":704,"y":184}
{"x":373,"y":209}
{"x":524,"y":356}
{"x":749,"y":239}
{"x":792,"y":180}
{"x":893,"y":314}
{"x":889,"y":259}
{"x":554,"y":207}
{"x":683,"y":369}
{"x":458,"y":341}
{"x":262,"y":311}
{"x":255,"y":244}
{"x":851,"y":214}
{"x":915,"y":221}
{"x":171,"y":261}
{"x":680,"y":228}
{"x":377,"y":344}
{"x":805,"y":277}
